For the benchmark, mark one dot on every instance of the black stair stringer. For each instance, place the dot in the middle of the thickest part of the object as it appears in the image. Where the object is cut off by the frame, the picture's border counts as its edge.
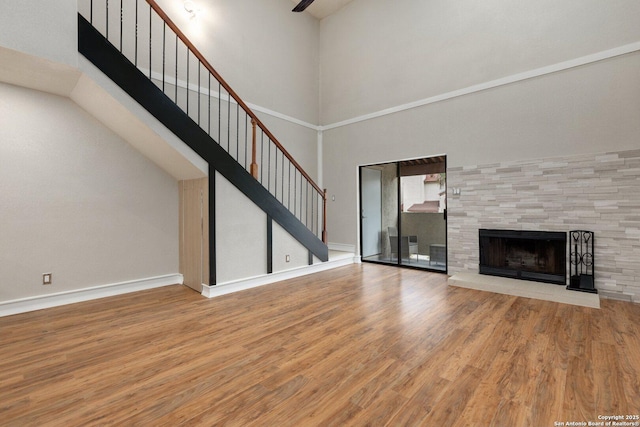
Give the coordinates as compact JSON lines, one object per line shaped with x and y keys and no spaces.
{"x":98,"y":50}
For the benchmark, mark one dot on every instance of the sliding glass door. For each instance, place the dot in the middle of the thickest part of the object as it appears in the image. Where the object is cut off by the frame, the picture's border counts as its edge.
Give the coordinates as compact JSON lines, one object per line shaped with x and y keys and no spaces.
{"x":371,"y":212}
{"x":378,"y":212}
{"x":403,"y":213}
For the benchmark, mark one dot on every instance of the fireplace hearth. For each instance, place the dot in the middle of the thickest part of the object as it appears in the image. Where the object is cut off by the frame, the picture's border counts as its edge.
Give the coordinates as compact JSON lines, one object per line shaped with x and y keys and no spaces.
{"x":528,"y":255}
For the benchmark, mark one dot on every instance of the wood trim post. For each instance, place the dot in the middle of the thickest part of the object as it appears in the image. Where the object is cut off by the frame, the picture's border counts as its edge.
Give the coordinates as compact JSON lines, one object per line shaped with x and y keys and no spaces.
{"x":324,"y":217}
{"x":254,"y":164}
{"x":212,"y":225}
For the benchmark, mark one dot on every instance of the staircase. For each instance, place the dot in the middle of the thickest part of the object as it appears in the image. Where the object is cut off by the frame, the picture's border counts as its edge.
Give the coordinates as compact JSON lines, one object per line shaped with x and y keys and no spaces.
{"x":140,"y":49}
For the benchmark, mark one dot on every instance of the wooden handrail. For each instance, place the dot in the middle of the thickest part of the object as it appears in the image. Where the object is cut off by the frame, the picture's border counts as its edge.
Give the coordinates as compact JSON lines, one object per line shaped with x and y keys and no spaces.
{"x":231,"y":92}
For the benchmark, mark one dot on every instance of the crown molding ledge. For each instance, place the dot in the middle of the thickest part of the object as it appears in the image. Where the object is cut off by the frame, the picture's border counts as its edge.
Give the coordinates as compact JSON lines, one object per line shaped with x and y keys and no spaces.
{"x":514,"y":78}
{"x":538,"y":72}
{"x":225,"y":97}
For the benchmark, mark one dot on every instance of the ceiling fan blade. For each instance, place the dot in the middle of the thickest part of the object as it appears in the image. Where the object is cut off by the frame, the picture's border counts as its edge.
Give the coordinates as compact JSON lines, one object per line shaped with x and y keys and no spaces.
{"x":302,"y":5}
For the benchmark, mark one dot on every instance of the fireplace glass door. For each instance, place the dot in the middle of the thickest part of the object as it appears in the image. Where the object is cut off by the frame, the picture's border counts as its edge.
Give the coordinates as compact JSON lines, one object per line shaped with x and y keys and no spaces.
{"x":529,"y":255}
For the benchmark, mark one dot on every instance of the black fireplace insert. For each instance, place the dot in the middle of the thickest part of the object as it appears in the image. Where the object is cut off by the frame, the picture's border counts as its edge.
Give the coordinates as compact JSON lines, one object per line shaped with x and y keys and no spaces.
{"x":529,"y":255}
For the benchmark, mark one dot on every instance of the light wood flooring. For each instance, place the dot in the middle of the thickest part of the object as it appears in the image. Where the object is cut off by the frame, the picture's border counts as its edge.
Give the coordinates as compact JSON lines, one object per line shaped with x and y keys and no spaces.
{"x":358,"y":345}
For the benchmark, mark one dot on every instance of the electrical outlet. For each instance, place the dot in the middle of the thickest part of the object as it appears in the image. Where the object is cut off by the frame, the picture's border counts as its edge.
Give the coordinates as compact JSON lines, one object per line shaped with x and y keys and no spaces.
{"x":46,"y":278}
{"x":287,"y":258}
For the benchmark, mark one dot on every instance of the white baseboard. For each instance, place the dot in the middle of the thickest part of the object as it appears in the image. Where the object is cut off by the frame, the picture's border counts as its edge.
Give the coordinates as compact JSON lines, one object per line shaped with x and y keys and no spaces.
{"x":39,"y":302}
{"x":342,"y":247}
{"x":253,"y":282}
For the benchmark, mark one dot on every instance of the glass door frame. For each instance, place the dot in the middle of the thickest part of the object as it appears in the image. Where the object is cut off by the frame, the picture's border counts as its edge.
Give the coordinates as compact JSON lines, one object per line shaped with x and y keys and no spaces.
{"x":399,"y":262}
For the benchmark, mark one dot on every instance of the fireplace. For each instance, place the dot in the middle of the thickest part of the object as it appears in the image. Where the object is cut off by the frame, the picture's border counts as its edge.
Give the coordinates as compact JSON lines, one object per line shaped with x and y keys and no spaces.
{"x":528,"y":255}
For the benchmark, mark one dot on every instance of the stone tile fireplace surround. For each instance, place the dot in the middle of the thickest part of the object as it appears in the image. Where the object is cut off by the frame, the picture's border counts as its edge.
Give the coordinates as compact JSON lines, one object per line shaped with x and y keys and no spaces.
{"x":596,"y":192}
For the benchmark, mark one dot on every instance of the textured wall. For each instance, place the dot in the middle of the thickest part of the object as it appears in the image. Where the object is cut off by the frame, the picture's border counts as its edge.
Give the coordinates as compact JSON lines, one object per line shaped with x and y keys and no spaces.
{"x":283,"y":245}
{"x":599,"y":193}
{"x":389,"y":204}
{"x":589,"y":109}
{"x":429,"y":227}
{"x":77,"y":201}
{"x":241,"y":234}
{"x":267,"y":54}
{"x":46,"y":29}
{"x":376,"y":54}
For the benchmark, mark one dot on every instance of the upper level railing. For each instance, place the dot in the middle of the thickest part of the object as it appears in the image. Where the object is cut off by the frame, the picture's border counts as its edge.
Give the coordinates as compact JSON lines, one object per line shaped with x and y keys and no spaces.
{"x":146,"y":35}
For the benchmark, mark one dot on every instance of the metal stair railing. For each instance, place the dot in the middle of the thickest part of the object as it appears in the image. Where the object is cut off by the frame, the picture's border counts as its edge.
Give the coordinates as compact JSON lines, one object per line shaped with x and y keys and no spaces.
{"x":149,"y":39}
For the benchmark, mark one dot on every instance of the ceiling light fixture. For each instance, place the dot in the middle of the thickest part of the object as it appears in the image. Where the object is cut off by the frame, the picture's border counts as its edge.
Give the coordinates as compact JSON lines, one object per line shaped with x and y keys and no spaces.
{"x":191,"y":8}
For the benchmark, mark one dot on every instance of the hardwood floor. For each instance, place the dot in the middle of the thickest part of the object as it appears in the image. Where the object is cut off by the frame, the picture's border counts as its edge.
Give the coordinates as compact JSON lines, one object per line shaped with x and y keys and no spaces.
{"x":359,"y":345}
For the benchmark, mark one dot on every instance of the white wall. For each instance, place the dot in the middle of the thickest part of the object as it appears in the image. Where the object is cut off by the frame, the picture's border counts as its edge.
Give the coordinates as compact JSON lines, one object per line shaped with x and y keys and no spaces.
{"x":299,"y":141}
{"x":46,"y":29}
{"x":267,"y":54}
{"x":377,"y":54}
{"x":241,"y":234}
{"x":241,"y":238}
{"x":78,"y":201}
{"x":276,"y":70}
{"x":284,"y":245}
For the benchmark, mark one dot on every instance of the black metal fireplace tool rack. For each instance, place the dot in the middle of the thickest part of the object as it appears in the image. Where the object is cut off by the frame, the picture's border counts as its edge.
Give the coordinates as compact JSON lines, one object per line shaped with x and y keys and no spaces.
{"x":581,"y":260}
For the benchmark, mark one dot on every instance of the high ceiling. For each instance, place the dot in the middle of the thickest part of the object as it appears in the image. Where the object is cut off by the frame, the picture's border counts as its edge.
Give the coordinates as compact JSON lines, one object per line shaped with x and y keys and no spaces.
{"x":323,"y":8}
